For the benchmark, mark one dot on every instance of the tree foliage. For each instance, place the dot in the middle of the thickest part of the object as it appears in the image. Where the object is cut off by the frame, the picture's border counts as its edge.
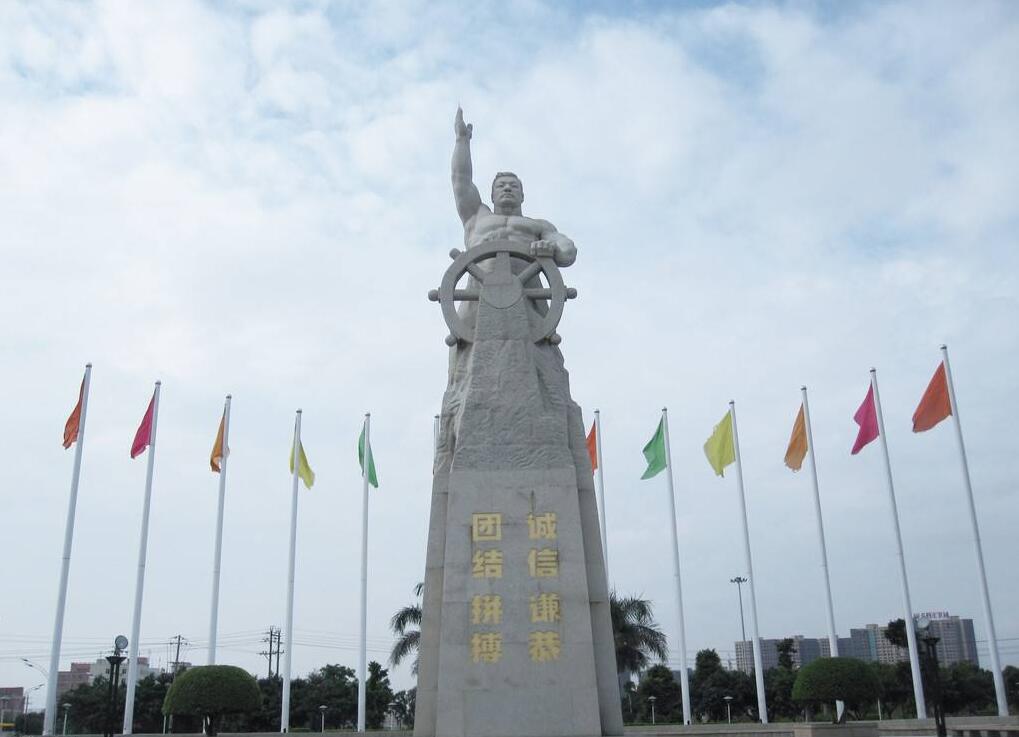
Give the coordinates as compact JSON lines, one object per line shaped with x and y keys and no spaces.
{"x":659,"y":682}
{"x":638,"y":638}
{"x":827,"y":680}
{"x":406,"y":625}
{"x":211,"y":691}
{"x":711,"y":683}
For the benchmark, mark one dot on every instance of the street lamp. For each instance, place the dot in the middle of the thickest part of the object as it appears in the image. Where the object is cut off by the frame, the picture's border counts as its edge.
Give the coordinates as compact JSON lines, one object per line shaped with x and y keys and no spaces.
{"x":67,"y":708}
{"x":728,"y":708}
{"x":30,"y":664}
{"x":322,"y":710}
{"x":652,"y":700}
{"x":114,"y":660}
{"x":739,"y":581}
{"x":28,"y":695}
{"x":923,"y":628}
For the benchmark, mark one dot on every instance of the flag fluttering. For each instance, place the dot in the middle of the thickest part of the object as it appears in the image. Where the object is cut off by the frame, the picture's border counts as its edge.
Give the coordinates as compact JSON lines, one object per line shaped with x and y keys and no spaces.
{"x":719,"y":448}
{"x":935,"y":405}
{"x":797,"y":449}
{"x":143,"y":436}
{"x":74,"y":420}
{"x":866,"y":418}
{"x":219,"y":450}
{"x":654,"y":453}
{"x":373,"y":479}
{"x":303,"y":469}
{"x":592,"y":446}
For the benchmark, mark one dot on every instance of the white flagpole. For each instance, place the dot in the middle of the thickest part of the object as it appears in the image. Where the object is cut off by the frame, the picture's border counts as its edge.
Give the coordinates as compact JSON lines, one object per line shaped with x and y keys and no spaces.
{"x":362,"y":672}
{"x":288,"y":653}
{"x":684,"y":681}
{"x":218,"y":553}
{"x":139,"y":587}
{"x":762,"y":705}
{"x":65,"y":565}
{"x":992,"y":637}
{"x":601,"y":490}
{"x":914,"y":659}
{"x":833,"y":638}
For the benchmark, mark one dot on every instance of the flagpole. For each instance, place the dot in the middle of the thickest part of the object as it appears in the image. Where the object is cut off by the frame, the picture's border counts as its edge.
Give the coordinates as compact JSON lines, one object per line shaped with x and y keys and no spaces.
{"x":762,"y":705}
{"x":914,"y":659}
{"x":218,"y":554}
{"x":992,"y":637}
{"x":289,"y":623}
{"x":684,"y":680}
{"x":833,"y":638}
{"x":139,"y":587}
{"x":362,"y":673}
{"x":601,"y":490}
{"x":65,"y":565}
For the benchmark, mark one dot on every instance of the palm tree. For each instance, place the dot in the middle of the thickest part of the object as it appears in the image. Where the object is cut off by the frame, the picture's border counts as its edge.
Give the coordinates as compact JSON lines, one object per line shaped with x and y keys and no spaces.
{"x":407,"y":639}
{"x":637,"y":635}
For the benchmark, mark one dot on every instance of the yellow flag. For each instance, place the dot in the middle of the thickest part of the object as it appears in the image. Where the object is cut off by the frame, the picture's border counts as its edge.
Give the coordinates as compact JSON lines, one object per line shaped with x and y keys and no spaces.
{"x":303,"y":469}
{"x":719,"y":447}
{"x":218,"y":451}
{"x":797,"y":449}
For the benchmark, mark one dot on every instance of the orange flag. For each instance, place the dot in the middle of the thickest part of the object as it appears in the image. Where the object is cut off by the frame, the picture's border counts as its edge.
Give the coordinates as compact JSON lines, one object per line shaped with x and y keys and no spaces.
{"x":74,"y":421}
{"x":592,"y":448}
{"x":797,"y":449}
{"x":217,"y":447}
{"x":935,"y":404}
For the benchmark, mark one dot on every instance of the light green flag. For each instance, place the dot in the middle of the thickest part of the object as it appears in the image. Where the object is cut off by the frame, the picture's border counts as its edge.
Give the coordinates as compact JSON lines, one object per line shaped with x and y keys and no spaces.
{"x":303,"y":469}
{"x":372,"y":478}
{"x":719,"y":447}
{"x":654,"y":452}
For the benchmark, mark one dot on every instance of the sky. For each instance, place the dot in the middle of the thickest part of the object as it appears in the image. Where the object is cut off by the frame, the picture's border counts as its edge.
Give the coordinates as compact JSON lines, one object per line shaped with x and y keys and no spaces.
{"x":253,"y":198}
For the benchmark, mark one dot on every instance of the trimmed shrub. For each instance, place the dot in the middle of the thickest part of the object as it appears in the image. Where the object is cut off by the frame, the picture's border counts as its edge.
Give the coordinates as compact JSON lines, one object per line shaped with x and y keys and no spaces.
{"x":210,"y":691}
{"x":827,"y":680}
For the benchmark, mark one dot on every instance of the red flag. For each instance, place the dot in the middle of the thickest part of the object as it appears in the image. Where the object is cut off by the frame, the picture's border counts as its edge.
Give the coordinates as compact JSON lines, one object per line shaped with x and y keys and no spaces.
{"x":592,"y":448}
{"x":935,"y":405}
{"x":74,"y":421}
{"x":866,"y":418}
{"x":143,"y":438}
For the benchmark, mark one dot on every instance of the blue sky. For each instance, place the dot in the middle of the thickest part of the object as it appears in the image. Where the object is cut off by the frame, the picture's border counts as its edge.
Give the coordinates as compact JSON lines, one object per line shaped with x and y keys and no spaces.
{"x":255,"y":199}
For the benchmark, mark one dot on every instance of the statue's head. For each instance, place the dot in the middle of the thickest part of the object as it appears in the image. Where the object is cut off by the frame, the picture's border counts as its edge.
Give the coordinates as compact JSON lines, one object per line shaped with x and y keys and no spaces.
{"x":507,"y":191}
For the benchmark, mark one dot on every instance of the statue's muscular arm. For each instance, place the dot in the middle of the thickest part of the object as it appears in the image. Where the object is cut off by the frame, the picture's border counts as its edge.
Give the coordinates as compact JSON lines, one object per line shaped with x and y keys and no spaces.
{"x":554,"y":244}
{"x":465,"y":193}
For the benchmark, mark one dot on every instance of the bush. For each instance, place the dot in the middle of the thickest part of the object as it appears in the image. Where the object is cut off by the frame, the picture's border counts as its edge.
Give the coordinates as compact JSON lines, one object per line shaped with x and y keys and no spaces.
{"x":828,"y":680}
{"x":211,"y":691}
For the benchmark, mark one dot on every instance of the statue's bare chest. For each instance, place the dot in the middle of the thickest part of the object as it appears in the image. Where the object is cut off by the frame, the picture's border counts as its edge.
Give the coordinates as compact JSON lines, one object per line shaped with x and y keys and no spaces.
{"x":489,"y":227}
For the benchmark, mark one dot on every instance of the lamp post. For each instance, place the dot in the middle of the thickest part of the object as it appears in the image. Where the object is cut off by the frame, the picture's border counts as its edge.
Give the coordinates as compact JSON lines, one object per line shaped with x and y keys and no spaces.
{"x":739,"y":581}
{"x":322,"y":711}
{"x":67,"y":708}
{"x":923,"y":628}
{"x":114,"y":660}
{"x":651,"y":700}
{"x":728,"y":709}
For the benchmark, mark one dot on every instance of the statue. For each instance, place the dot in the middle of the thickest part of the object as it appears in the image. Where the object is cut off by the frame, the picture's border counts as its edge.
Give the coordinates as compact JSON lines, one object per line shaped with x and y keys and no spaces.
{"x":516,"y":633}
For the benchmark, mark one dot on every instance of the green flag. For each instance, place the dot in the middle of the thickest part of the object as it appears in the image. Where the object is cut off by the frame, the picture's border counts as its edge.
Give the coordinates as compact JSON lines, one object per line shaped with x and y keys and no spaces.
{"x":719,"y":447}
{"x":654,"y":452}
{"x":303,"y":469}
{"x":372,"y":478}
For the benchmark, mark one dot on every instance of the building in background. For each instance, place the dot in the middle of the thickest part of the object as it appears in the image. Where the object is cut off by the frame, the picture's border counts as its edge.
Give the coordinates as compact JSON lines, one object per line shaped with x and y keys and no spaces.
{"x":101,"y":669}
{"x":12,"y":703}
{"x":67,"y":680}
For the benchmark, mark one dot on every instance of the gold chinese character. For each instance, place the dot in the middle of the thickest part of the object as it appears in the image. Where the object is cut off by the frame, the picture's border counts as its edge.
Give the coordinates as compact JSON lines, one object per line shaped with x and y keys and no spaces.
{"x":543,"y":646}
{"x":545,"y":608}
{"x":541,"y":526}
{"x":487,"y":564}
{"x":486,"y":527}
{"x":543,"y":563}
{"x":486,"y":647}
{"x":486,"y":609}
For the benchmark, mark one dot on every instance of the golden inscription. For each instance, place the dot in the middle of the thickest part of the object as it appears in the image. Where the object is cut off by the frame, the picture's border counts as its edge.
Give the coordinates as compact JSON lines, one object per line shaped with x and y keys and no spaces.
{"x":541,"y":526}
{"x":486,"y":609}
{"x":486,"y":527}
{"x":543,"y":563}
{"x":544,"y":646}
{"x":487,"y":564}
{"x":486,"y":647}
{"x":545,"y":608}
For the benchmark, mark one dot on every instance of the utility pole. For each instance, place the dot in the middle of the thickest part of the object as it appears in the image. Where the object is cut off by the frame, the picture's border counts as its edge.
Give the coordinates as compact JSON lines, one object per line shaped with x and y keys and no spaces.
{"x":176,"y":659}
{"x":274,"y":640}
{"x":279,"y":649}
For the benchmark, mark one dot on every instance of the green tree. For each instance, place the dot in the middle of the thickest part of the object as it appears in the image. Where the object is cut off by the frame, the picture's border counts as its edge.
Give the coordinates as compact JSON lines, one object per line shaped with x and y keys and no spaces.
{"x":659,"y":682}
{"x":88,"y":701}
{"x":30,"y":723}
{"x":404,"y":703}
{"x":1011,"y":674}
{"x":895,"y":633}
{"x":332,"y":686}
{"x":895,"y":686}
{"x":786,"y":649}
{"x":149,"y":695}
{"x":211,"y":691}
{"x":828,"y":680}
{"x":966,"y":689}
{"x":406,"y":625}
{"x":378,"y":697}
{"x":711,"y":683}
{"x":637,"y":636}
{"x":778,"y":687}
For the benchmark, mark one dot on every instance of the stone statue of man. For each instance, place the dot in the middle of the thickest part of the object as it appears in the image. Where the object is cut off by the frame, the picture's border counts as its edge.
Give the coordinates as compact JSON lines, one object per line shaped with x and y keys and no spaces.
{"x":503,"y":219}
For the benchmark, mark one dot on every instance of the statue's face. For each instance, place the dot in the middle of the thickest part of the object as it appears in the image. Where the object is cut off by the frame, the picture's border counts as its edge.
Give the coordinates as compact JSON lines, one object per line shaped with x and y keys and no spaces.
{"x":507,"y":192}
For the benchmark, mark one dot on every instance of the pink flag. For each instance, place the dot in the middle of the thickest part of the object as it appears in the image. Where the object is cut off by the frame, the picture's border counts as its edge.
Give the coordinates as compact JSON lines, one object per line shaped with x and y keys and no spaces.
{"x":143,"y":438}
{"x":866,"y":418}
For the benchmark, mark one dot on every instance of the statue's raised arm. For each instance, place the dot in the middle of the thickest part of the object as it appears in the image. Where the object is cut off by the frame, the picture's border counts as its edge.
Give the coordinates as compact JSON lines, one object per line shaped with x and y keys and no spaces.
{"x":468,"y":199}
